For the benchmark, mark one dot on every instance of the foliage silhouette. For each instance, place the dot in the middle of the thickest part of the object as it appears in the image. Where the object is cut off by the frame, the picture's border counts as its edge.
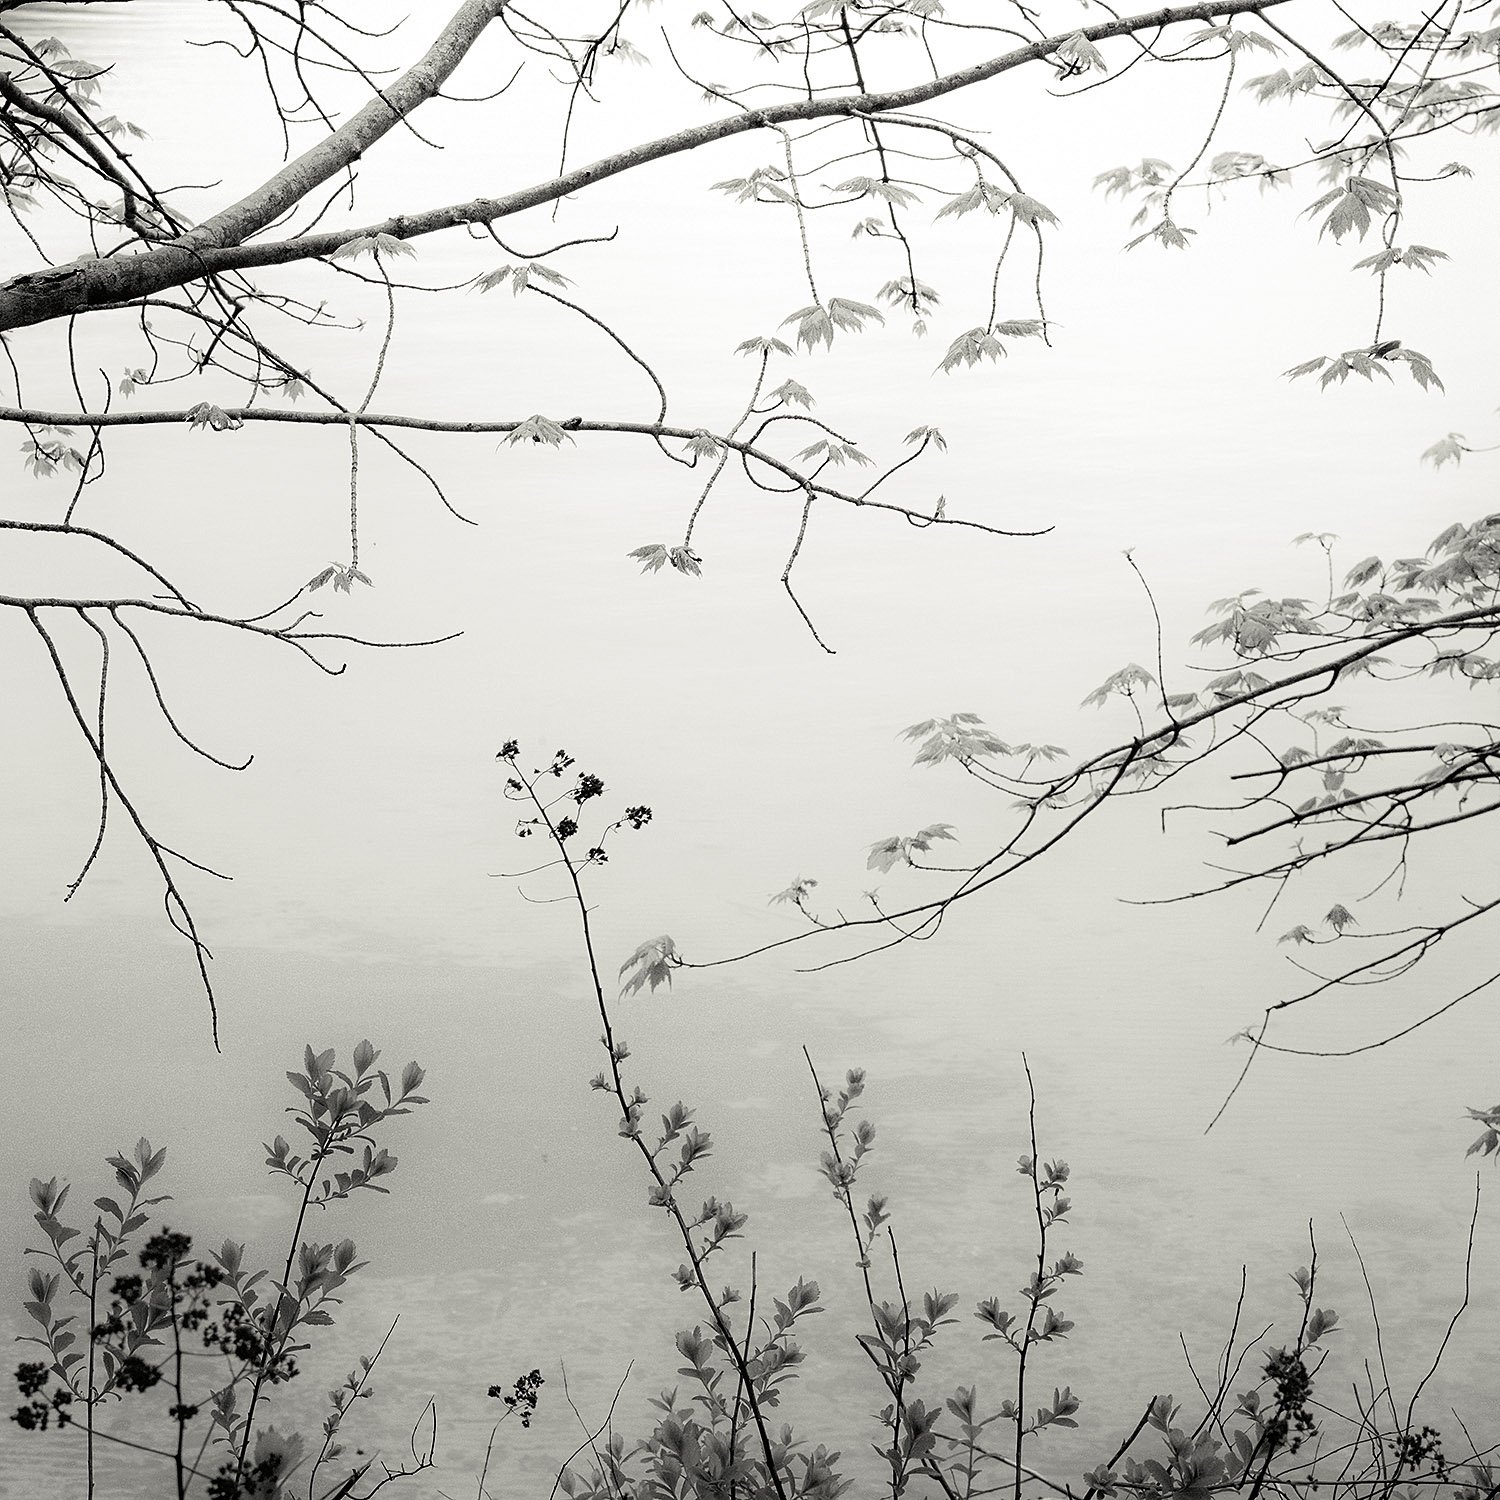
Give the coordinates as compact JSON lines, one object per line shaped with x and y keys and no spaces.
{"x":156,"y":283}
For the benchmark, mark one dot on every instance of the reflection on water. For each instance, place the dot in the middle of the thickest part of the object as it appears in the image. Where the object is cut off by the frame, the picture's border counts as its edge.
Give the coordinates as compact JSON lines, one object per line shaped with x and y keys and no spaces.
{"x":517,"y":1235}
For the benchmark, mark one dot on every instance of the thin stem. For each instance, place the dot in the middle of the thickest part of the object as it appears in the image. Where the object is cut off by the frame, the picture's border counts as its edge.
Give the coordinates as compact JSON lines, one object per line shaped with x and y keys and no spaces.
{"x":271,"y":1351}
{"x":726,"y":1334}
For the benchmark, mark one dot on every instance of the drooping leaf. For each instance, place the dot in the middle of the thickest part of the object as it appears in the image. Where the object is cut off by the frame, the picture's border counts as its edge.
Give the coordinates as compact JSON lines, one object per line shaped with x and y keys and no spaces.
{"x":1450,"y":449}
{"x":1166,"y":233}
{"x":968,"y":349}
{"x":763,"y":346}
{"x":1081,"y":54}
{"x":206,"y":414}
{"x":373,"y":244}
{"x":1125,"y":683}
{"x":790,"y":393}
{"x":983,"y":195}
{"x":539,"y":429}
{"x":1350,"y":207}
{"x":653,"y":963}
{"x":872,"y":187}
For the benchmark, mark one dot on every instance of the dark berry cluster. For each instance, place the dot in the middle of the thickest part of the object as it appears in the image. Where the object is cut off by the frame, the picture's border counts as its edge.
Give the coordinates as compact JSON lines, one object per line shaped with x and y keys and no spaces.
{"x":522,"y":1396}
{"x":1414,"y":1449}
{"x":1293,"y":1420}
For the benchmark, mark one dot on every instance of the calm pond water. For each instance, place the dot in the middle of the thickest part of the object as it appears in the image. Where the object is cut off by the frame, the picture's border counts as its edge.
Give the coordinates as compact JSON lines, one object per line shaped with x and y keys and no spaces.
{"x":363,"y":839}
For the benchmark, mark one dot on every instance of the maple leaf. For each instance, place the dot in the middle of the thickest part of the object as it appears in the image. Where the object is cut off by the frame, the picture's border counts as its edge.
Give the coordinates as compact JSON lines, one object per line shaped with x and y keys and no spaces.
{"x":1350,"y":206}
{"x":1418,"y":257}
{"x":519,"y":277}
{"x":971,"y":347}
{"x":796,"y":893}
{"x":341,"y":575}
{"x":982,"y":195}
{"x":1450,"y":449}
{"x":763,"y":346}
{"x":1284,"y":85}
{"x":886,"y":854}
{"x":761,"y":180}
{"x":814,"y":326}
{"x":1081,"y":54}
{"x":1125,"y":682}
{"x":790,"y":393}
{"x":653,"y":962}
{"x":962,"y":737}
{"x":1238,"y":41}
{"x":372,"y":244}
{"x":834,"y":452}
{"x":905,"y":292}
{"x":539,"y":429}
{"x":871,"y":187}
{"x":1418,"y":366}
{"x":652,"y":559}
{"x":1167,"y":232}
{"x":1029,"y":211}
{"x":205,"y":414}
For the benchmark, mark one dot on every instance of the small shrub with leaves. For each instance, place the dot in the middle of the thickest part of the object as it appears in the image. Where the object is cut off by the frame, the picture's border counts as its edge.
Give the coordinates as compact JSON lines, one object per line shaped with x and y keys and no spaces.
{"x":140,"y":1324}
{"x":712,"y":1437}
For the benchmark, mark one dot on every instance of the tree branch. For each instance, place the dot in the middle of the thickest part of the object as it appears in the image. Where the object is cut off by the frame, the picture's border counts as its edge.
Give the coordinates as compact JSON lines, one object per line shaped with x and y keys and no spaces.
{"x":217,"y":246}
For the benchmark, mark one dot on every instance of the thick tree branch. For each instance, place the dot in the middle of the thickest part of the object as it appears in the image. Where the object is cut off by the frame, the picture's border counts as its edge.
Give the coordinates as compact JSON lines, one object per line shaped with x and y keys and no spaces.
{"x":344,"y":146}
{"x":217,"y":247}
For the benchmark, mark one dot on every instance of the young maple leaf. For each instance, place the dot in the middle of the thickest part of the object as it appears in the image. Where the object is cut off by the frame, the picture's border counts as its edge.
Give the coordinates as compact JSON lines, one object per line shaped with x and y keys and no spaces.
{"x":1081,"y":54}
{"x":796,"y":893}
{"x":1450,"y":449}
{"x":1029,"y":211}
{"x":816,"y":324}
{"x":372,"y":244}
{"x":835,"y":452}
{"x":539,"y":429}
{"x":1418,"y":366}
{"x":790,"y":393}
{"x":341,"y":575}
{"x":888,"y":853}
{"x":1126,"y":682}
{"x":652,"y":559}
{"x":969,"y":348}
{"x":1167,"y":233}
{"x":962,"y":737}
{"x":206,"y":414}
{"x":871,"y":187}
{"x":653,"y":962}
{"x":1418,"y":257}
{"x":982,"y":195}
{"x":763,"y":346}
{"x":917,"y":296}
{"x":1351,"y":206}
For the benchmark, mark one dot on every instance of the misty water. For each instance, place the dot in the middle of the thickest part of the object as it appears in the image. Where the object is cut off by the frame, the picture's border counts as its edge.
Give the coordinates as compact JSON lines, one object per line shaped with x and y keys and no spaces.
{"x":368,"y":841}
